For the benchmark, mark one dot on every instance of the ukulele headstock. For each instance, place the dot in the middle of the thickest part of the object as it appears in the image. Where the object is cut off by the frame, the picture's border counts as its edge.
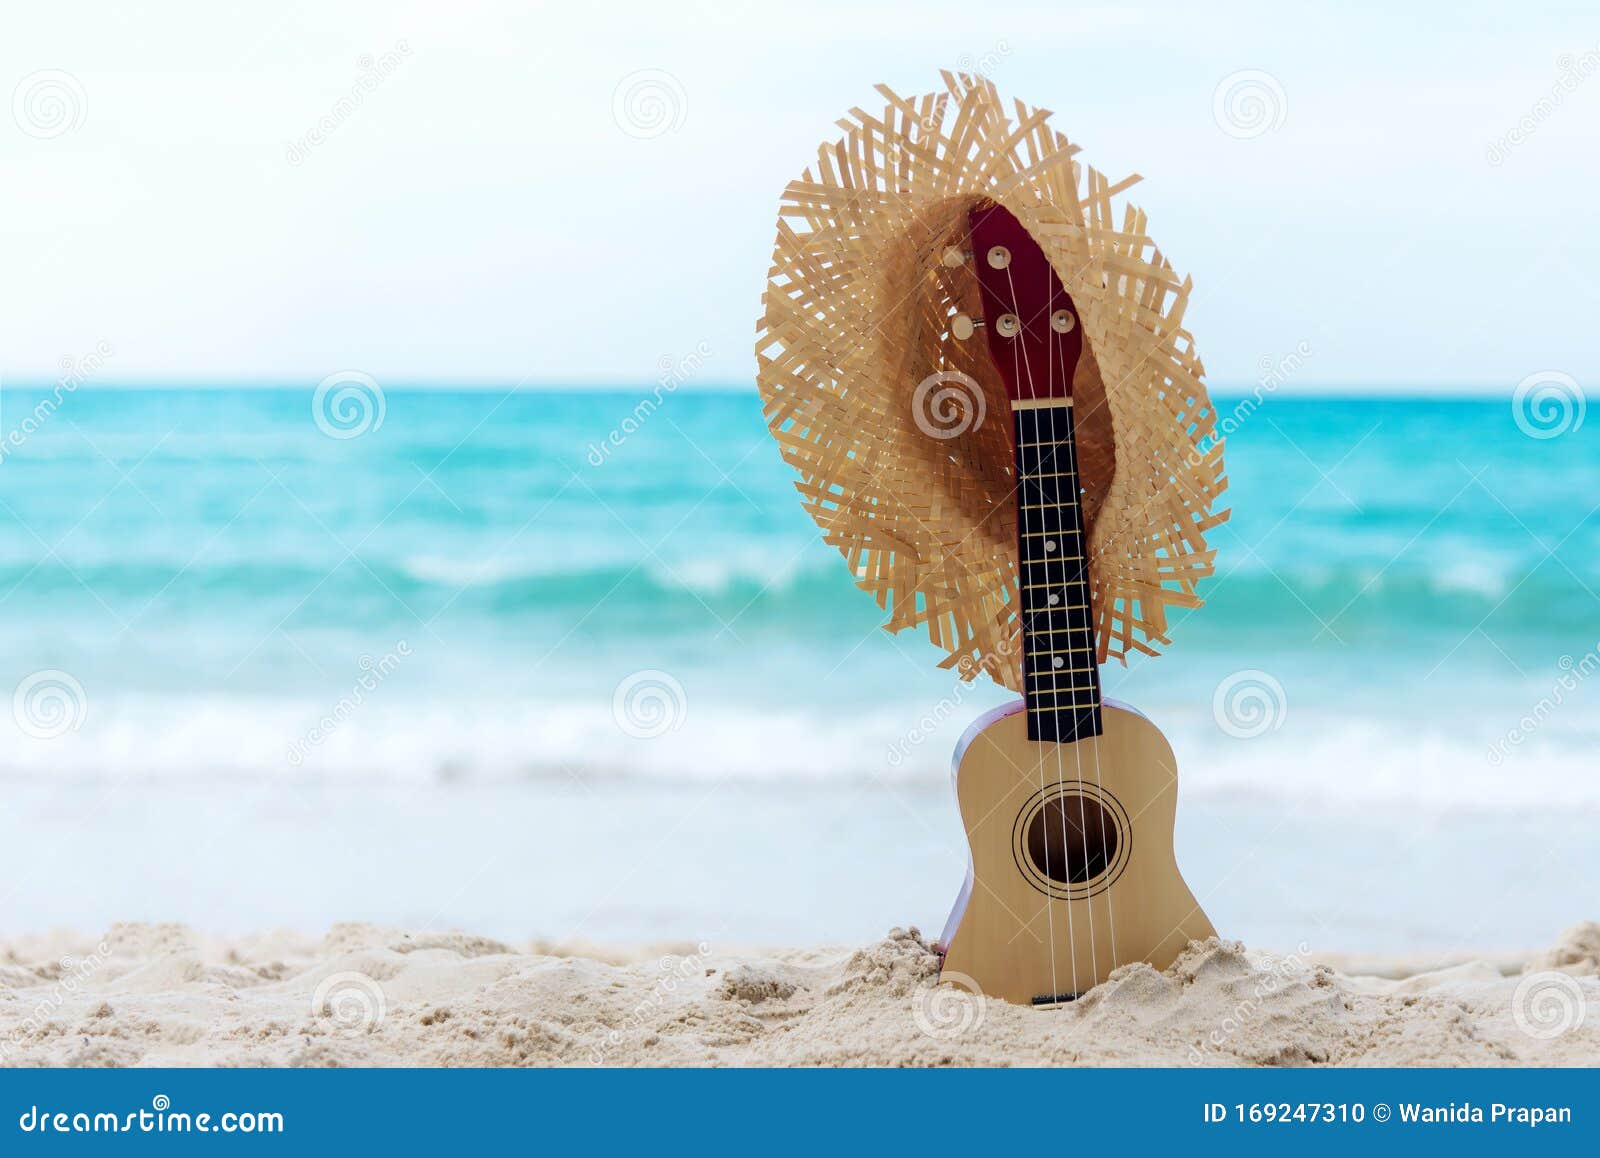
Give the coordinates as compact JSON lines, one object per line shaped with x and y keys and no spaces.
{"x":1029,"y":321}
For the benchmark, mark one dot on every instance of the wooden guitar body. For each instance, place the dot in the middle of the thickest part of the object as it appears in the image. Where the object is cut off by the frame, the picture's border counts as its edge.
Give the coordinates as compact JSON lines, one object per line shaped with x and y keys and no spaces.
{"x":1072,"y":871}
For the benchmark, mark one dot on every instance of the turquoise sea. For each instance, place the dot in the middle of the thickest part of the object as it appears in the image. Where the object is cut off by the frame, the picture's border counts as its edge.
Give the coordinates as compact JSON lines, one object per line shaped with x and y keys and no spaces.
{"x":466,"y":610}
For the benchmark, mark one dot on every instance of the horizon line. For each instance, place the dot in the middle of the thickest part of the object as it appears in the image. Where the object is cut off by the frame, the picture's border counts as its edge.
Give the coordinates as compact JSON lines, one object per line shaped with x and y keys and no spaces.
{"x":200,"y":384}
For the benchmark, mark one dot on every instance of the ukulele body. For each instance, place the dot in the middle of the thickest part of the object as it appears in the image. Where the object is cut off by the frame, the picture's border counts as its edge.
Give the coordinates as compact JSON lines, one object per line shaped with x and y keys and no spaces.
{"x":1072,"y":869}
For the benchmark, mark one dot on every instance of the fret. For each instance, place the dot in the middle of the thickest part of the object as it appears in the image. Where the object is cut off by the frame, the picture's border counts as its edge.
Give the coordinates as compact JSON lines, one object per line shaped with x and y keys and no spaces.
{"x":1040,"y":477}
{"x":1064,"y":729}
{"x":1047,"y":627}
{"x":1063,"y":702}
{"x":1052,"y":556}
{"x":1036,"y":607}
{"x":1070,"y":586}
{"x":1055,"y":565}
{"x":1078,"y":629}
{"x":1042,"y":516}
{"x":1052,"y":572}
{"x":1043,"y":497}
{"x":1046,"y":694}
{"x":1043,"y":464}
{"x":1040,"y":495}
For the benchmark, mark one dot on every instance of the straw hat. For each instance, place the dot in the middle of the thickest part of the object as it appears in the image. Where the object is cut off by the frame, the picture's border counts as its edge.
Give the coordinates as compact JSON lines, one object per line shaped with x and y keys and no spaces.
{"x":901,"y":433}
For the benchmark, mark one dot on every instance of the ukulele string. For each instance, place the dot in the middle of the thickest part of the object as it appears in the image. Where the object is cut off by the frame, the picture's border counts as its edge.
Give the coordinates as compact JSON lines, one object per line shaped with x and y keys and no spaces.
{"x":1094,"y":659}
{"x":1050,"y":929}
{"x":1071,"y":663}
{"x":1077,"y":752}
{"x":1023,"y":370}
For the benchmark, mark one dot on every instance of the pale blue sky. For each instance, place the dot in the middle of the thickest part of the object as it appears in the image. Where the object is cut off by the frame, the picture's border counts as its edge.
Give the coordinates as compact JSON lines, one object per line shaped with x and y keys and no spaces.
{"x":482,"y":215}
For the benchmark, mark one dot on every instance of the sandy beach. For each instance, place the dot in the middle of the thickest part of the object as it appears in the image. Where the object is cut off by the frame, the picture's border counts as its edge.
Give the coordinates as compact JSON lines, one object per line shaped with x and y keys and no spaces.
{"x":160,"y":995}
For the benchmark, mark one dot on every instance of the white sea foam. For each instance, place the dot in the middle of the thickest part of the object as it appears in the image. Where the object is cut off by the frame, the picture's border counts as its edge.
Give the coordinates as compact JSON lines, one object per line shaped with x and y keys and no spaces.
{"x":472,"y":572}
{"x":1441,"y":764}
{"x":1475,"y":577}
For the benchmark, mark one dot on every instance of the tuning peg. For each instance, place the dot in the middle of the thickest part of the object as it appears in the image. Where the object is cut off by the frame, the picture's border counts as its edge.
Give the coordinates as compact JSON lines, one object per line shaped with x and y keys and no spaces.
{"x":963,"y":327}
{"x":955,"y":257}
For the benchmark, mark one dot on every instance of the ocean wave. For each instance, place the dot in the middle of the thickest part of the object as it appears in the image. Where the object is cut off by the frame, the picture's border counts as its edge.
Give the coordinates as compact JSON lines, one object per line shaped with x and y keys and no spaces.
{"x":656,"y":596}
{"x":457,"y":572}
{"x":600,"y":590}
{"x":711,"y":574}
{"x":1390,"y":761}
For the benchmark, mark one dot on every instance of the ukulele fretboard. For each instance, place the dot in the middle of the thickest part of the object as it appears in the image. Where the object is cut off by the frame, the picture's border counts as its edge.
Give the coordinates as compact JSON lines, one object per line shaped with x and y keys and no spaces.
{"x":1061,"y":680}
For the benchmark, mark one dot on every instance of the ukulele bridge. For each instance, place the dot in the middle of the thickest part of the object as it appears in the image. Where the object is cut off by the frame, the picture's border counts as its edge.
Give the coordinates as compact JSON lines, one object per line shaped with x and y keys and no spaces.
{"x":1048,"y":999}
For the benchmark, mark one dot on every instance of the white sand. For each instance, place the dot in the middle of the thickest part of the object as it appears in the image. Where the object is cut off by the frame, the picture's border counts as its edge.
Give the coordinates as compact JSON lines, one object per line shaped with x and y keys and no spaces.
{"x":162,"y":995}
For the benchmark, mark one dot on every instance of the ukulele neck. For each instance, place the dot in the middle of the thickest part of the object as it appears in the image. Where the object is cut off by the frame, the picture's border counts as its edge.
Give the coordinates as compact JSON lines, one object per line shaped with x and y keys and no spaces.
{"x":1061,"y":678}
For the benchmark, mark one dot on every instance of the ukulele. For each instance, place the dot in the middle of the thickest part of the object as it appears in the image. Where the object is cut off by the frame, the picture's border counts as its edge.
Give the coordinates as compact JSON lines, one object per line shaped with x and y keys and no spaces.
{"x":1067,"y":799}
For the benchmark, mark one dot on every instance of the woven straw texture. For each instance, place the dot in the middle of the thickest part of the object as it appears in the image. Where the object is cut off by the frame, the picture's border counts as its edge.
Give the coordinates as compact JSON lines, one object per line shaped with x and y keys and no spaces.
{"x":901,"y":433}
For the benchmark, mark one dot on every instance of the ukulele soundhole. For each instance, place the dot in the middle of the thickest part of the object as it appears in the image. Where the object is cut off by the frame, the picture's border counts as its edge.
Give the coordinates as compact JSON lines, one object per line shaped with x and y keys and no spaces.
{"x":1072,"y":841}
